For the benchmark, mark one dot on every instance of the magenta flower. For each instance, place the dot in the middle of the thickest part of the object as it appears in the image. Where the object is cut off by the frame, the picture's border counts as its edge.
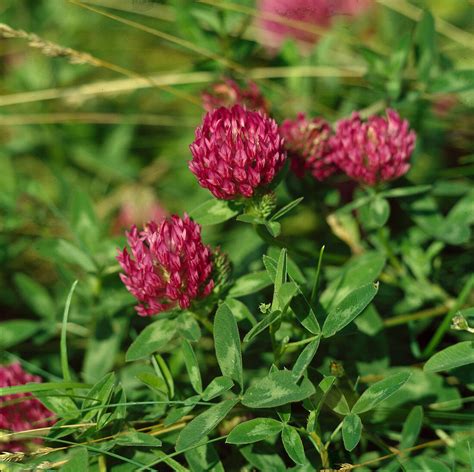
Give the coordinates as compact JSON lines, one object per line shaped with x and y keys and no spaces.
{"x":374,"y":151}
{"x":307,"y":143}
{"x":236,"y":151}
{"x":309,"y":17}
{"x":170,"y":266}
{"x":228,"y":93}
{"x":21,"y":411}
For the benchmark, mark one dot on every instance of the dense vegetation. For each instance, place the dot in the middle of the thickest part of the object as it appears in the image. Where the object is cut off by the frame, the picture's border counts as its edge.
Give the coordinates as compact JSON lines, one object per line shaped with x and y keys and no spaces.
{"x":315,"y":310}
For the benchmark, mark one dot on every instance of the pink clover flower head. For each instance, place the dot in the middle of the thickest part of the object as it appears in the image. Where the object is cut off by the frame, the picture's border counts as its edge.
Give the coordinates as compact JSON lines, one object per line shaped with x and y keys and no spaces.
{"x":307,"y":143}
{"x":168,"y":266}
{"x":312,"y":15}
{"x":376,"y":150}
{"x":228,"y":93}
{"x":308,"y":12}
{"x":20,"y":411}
{"x":236,"y":151}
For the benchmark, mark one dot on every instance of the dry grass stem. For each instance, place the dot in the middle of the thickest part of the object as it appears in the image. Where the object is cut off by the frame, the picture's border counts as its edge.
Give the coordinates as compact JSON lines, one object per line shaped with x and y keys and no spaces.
{"x":51,"y":49}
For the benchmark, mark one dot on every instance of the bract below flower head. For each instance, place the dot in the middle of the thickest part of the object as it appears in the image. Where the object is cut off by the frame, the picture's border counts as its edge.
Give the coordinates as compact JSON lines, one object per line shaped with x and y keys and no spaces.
{"x":236,"y":151}
{"x":169,"y":266}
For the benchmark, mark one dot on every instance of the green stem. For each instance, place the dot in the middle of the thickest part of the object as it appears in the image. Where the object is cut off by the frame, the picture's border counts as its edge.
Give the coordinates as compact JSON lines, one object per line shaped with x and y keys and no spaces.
{"x":301,"y":343}
{"x":390,"y":254}
{"x":419,"y":315}
{"x":444,"y":326}
{"x":322,"y":451}
{"x":333,"y":435}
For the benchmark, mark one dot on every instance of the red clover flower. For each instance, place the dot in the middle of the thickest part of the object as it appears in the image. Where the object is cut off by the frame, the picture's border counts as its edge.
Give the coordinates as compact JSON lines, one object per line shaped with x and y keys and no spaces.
{"x":169,"y":265}
{"x":236,"y":152}
{"x":307,"y":143}
{"x":20,"y":411}
{"x":374,"y":151}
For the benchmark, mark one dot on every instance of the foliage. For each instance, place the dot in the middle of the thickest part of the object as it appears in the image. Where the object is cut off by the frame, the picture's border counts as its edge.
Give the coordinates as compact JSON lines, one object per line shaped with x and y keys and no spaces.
{"x":343,"y":337}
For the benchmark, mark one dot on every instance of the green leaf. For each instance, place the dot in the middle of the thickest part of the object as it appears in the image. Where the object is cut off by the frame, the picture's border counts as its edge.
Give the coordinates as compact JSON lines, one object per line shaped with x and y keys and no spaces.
{"x":103,"y":346}
{"x":240,"y":310}
{"x":250,"y":283}
{"x":227,"y":344}
{"x":254,"y":430}
{"x":188,"y":327}
{"x":203,"y":424}
{"x":412,"y":427}
{"x":78,"y":459}
{"x":380,"y":391}
{"x":58,"y":403}
{"x":287,"y":208}
{"x":305,"y":358}
{"x":155,"y":382}
{"x":276,"y":389}
{"x":137,"y":439}
{"x":16,"y":331}
{"x":151,"y":339}
{"x":305,"y":314}
{"x":379,"y":210}
{"x":280,"y":278}
{"x":351,"y":431}
{"x":358,"y":271}
{"x":405,"y":191}
{"x":161,"y":368}
{"x":98,"y":395}
{"x":270,"y":262}
{"x":213,"y":212}
{"x":425,"y":39}
{"x":63,"y":341}
{"x":217,"y":387}
{"x":192,"y":366}
{"x":293,"y":445}
{"x":71,"y":254}
{"x":349,"y":309}
{"x":35,"y":296}
{"x":204,"y":459}
{"x":262,"y":325}
{"x":453,"y":356}
{"x":452,"y":81}
{"x":33,"y":387}
{"x":262,"y":457}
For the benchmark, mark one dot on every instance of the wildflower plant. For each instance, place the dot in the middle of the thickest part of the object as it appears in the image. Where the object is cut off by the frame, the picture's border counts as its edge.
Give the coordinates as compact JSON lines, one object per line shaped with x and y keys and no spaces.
{"x":258,"y":260}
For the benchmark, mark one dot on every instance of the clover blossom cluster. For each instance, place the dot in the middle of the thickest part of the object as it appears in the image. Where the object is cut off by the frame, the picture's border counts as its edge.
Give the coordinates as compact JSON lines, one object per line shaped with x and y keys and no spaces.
{"x":236,"y":154}
{"x":370,"y":152}
{"x":229,"y":92}
{"x":236,"y":151}
{"x":168,"y":266}
{"x":20,"y":411}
